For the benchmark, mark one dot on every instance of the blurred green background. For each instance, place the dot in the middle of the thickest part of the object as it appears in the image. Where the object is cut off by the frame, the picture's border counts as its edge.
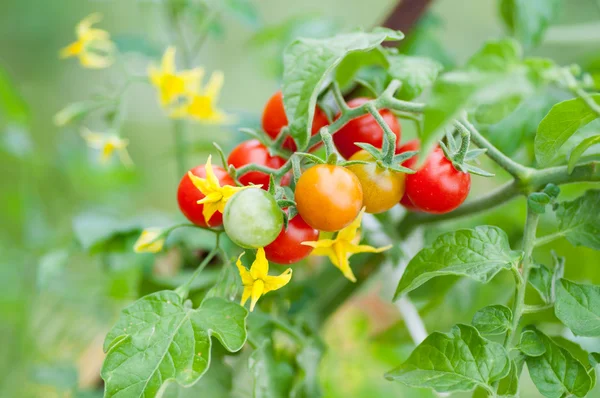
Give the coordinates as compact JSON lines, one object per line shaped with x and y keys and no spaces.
{"x":56,"y":303}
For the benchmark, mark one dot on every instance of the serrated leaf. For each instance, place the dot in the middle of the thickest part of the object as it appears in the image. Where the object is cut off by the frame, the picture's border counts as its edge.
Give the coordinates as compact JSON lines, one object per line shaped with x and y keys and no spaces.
{"x":415,"y":73}
{"x":530,"y":344}
{"x":493,"y":319}
{"x":579,"y":150}
{"x":478,"y":253}
{"x":556,"y":373}
{"x":528,"y":20}
{"x":578,"y":307}
{"x":307,"y":64}
{"x":579,"y":220}
{"x":458,"y":361}
{"x":563,"y":120}
{"x":158,"y":339}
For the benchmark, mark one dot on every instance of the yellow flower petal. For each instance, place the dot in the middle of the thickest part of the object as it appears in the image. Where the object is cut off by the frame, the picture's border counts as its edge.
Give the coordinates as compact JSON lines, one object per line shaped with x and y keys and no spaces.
{"x":84,"y":26}
{"x":260,"y":266}
{"x":209,"y":210}
{"x":168,"y":61}
{"x":149,"y":241}
{"x":71,"y":50}
{"x":246,"y":294}
{"x":341,"y":254}
{"x":367,"y":249}
{"x":247,"y":279}
{"x":210,"y":174}
{"x":213,"y":88}
{"x":349,"y":233}
{"x":277,"y":282}
{"x":257,"y":291}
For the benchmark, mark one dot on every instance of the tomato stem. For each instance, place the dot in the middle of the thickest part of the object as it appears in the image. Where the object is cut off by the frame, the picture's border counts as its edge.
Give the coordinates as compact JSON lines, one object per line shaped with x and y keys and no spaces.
{"x":389,"y":138}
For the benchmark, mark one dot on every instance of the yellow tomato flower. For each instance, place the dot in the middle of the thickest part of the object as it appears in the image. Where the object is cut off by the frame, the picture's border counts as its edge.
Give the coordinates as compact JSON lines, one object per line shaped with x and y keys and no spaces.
{"x":343,"y":246}
{"x":201,"y":103}
{"x":149,"y":241}
{"x":215,"y":195}
{"x":93,"y":46}
{"x":257,"y":282}
{"x":170,"y":83}
{"x":108,"y":144}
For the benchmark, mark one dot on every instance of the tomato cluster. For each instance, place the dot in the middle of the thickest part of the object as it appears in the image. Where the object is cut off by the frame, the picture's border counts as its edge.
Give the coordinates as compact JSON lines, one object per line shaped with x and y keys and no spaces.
{"x":328,"y":197}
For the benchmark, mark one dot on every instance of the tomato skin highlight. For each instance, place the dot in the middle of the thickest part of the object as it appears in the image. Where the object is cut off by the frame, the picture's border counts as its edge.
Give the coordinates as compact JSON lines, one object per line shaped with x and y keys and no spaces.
{"x":412,"y":145}
{"x":287,"y":248}
{"x":188,"y":195}
{"x":252,"y":218}
{"x":438,"y":187}
{"x":252,"y":151}
{"x":328,"y":197}
{"x":274,"y":119}
{"x":382,"y":188}
{"x":363,"y":129}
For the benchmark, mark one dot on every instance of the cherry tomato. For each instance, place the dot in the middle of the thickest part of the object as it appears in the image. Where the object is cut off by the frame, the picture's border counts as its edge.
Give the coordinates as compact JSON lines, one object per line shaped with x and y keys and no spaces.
{"x":438,"y":187}
{"x":382,"y":188}
{"x":253,"y":151}
{"x":252,"y":218}
{"x":328,"y":197}
{"x":363,"y":129}
{"x":287,"y":247}
{"x":274,"y":119}
{"x":188,"y":196}
{"x":412,"y":145}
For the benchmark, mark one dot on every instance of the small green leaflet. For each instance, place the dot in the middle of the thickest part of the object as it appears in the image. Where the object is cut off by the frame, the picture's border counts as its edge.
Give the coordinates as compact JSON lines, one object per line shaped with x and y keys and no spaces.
{"x":578,"y":307}
{"x":347,"y":70}
{"x":563,"y":120}
{"x":579,"y":220}
{"x":542,"y":279}
{"x":493,"y":319}
{"x":307,"y":65}
{"x":159,"y":339}
{"x":531,"y":344}
{"x":556,"y":373}
{"x":579,"y":150}
{"x":415,"y":73}
{"x":458,"y":361}
{"x":478,"y":253}
{"x":509,"y":386}
{"x":528,"y":20}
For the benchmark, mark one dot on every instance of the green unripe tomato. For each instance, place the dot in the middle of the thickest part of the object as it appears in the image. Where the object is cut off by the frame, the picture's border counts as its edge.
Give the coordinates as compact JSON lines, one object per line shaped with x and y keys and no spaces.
{"x":252,"y":218}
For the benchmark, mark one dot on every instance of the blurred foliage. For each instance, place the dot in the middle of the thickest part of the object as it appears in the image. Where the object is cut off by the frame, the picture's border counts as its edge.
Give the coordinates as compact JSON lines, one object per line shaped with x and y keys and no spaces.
{"x":59,"y":297}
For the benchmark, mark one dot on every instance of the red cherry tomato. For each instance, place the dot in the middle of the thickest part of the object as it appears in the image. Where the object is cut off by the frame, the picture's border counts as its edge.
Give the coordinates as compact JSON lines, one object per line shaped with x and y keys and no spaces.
{"x":412,"y":145}
{"x":274,"y":119}
{"x":438,"y":187}
{"x":287,"y":247}
{"x":363,"y":129}
{"x":253,"y":151}
{"x":188,"y":196}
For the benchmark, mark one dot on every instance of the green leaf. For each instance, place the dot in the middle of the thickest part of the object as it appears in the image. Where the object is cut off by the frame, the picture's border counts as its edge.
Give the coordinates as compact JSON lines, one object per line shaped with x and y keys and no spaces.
{"x":509,"y":386}
{"x":579,"y":220}
{"x":493,"y":319}
{"x":530,"y":344}
{"x":491,"y":75}
{"x":458,"y":361}
{"x":528,"y":20}
{"x":540,"y":278}
{"x":415,"y":73}
{"x":578,"y":307}
{"x":578,"y":151}
{"x":497,"y":111}
{"x":563,"y":120}
{"x":307,"y":64}
{"x":478,"y":253}
{"x":556,"y":373}
{"x":594,"y":358}
{"x":351,"y":64}
{"x":158,"y":339}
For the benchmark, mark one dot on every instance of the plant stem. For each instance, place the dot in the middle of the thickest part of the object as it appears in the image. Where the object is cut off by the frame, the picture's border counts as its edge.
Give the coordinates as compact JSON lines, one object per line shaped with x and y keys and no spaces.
{"x":515,"y":169}
{"x":179,"y":132}
{"x":389,"y":139}
{"x":184,"y":289}
{"x":549,"y":238}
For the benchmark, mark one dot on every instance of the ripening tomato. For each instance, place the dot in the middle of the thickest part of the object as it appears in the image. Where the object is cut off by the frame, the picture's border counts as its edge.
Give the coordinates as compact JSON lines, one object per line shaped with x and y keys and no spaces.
{"x":382,"y":188}
{"x":253,"y":151}
{"x":438,"y":187}
{"x":412,"y":145}
{"x":252,"y":218}
{"x":328,"y":197}
{"x":274,"y":119}
{"x":287,"y":248}
{"x":363,"y":129}
{"x":188,"y":196}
